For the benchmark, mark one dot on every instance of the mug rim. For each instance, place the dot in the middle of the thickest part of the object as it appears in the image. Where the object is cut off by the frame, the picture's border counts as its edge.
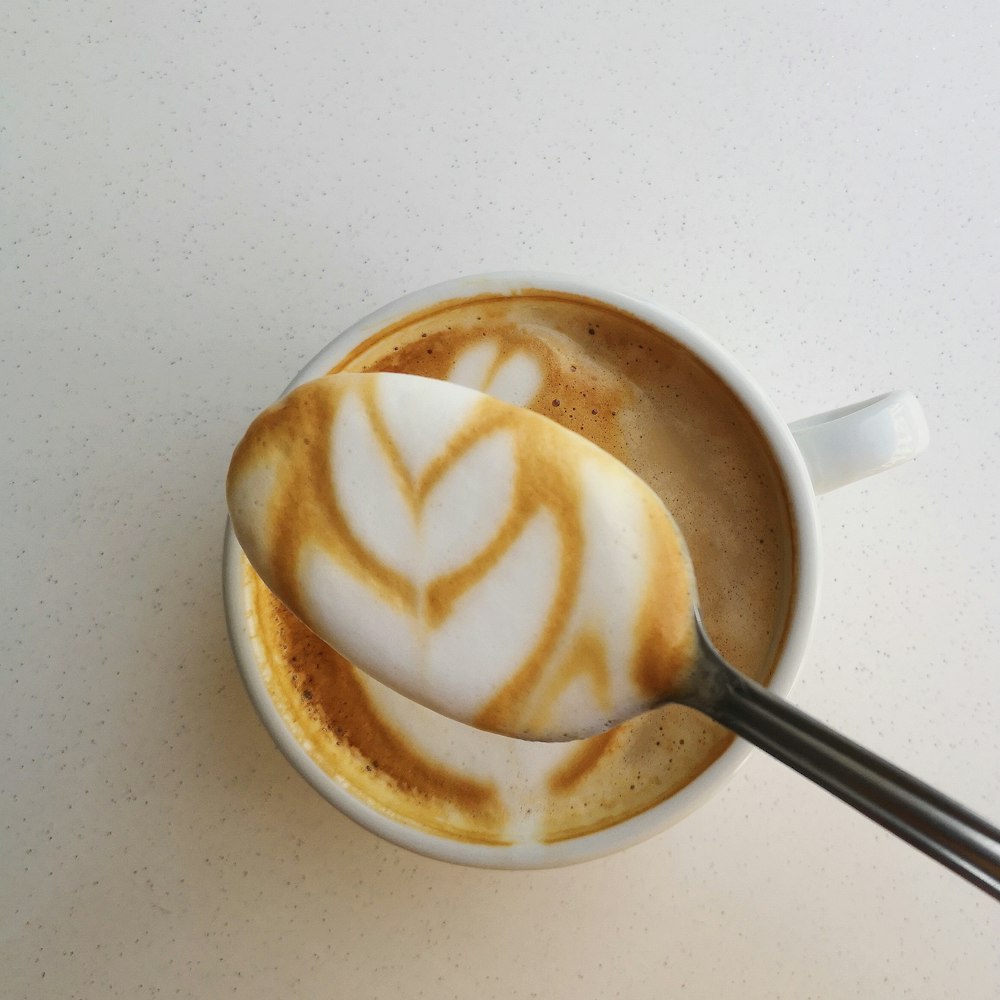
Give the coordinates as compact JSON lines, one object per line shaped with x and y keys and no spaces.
{"x":804,"y":599}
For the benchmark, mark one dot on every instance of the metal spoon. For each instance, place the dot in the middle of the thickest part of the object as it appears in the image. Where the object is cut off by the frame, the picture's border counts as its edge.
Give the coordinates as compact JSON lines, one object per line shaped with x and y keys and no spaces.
{"x":302,"y":505}
{"x":921,"y":815}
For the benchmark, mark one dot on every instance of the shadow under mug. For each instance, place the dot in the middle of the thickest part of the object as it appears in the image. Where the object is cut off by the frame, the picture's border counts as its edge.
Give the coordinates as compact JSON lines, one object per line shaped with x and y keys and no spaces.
{"x":813,"y":455}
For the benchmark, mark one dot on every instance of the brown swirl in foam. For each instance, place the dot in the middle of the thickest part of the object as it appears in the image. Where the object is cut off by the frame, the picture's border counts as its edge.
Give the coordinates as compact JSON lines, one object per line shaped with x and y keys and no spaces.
{"x":292,"y":441}
{"x":654,"y":406}
{"x":323,"y":699}
{"x":303,"y":506}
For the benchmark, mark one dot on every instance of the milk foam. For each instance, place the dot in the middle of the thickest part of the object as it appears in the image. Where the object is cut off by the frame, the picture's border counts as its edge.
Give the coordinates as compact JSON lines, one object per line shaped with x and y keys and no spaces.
{"x":474,"y":556}
{"x":647,"y":401}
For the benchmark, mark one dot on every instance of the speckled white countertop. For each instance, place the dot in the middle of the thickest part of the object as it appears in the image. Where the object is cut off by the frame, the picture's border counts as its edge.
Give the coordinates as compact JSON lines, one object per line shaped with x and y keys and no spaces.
{"x":197,"y":196}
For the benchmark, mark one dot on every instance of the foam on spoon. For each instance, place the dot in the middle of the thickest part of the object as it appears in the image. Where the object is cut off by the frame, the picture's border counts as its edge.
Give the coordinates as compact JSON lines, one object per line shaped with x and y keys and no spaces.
{"x":473,"y":555}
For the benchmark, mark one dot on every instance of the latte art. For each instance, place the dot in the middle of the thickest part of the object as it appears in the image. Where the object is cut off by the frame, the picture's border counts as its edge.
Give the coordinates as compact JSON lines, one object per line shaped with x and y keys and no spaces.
{"x":472,"y":555}
{"x":646,"y":400}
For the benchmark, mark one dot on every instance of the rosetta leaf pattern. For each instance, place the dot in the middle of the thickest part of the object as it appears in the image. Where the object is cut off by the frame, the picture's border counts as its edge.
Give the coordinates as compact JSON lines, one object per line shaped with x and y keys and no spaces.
{"x":467,"y":527}
{"x":515,"y":377}
{"x":462,"y":557}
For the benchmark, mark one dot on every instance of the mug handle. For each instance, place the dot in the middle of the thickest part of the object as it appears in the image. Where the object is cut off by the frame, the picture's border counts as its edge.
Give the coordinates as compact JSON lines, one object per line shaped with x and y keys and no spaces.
{"x":845,"y":445}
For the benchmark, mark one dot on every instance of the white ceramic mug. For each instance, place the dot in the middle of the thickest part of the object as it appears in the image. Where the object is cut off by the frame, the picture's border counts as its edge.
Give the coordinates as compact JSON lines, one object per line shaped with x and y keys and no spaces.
{"x":814,"y":456}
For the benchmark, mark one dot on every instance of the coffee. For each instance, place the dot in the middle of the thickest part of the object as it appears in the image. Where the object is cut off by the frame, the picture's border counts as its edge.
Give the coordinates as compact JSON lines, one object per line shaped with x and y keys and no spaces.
{"x":657,"y":408}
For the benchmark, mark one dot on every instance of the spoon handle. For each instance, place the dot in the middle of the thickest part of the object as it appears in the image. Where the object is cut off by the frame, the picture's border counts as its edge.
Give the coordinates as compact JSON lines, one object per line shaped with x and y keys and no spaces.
{"x":922,"y":816}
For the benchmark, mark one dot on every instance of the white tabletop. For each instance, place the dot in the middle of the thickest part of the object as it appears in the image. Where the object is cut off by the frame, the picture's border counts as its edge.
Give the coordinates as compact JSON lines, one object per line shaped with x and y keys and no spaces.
{"x":198,"y":196}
